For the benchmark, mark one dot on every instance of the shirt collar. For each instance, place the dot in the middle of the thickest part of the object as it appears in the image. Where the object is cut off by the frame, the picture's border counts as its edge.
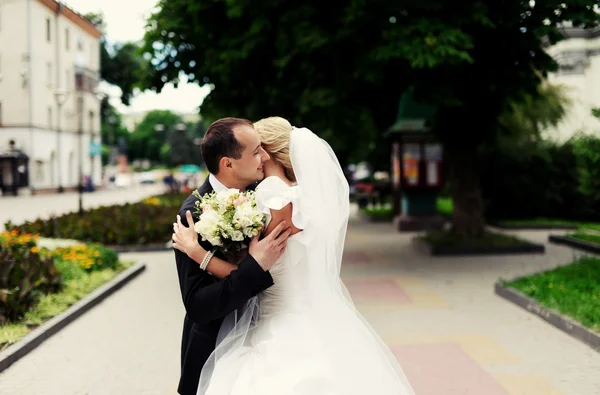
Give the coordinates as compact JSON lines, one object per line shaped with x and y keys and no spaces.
{"x":216,"y":184}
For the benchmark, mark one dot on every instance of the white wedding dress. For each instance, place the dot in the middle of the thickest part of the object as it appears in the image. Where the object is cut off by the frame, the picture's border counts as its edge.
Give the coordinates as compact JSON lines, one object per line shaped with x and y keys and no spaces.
{"x":303,"y":335}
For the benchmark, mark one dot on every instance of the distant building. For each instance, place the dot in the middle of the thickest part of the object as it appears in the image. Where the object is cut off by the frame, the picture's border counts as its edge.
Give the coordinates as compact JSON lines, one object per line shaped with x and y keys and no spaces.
{"x":578,"y":57}
{"x":132,"y":120}
{"x":50,"y":57}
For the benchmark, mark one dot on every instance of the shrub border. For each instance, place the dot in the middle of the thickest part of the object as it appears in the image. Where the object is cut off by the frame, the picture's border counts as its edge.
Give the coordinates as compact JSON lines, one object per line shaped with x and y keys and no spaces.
{"x":575,"y":243}
{"x":526,"y":248}
{"x":559,"y":321}
{"x":36,"y":337}
{"x":500,"y":225}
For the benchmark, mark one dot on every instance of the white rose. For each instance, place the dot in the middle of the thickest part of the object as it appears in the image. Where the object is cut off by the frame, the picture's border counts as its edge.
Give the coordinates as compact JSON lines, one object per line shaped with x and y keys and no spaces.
{"x":208,"y":227}
{"x":237,"y":236}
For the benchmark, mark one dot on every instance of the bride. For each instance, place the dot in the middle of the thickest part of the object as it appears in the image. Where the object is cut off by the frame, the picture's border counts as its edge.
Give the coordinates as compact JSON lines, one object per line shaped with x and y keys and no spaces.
{"x":303,"y":335}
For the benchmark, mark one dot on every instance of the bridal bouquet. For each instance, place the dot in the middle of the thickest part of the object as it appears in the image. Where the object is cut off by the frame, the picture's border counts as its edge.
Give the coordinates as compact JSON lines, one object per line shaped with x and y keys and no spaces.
{"x":228,"y":218}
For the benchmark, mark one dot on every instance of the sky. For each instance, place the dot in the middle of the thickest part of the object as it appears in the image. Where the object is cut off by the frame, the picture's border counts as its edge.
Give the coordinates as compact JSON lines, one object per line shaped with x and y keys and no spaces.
{"x":125,"y":22}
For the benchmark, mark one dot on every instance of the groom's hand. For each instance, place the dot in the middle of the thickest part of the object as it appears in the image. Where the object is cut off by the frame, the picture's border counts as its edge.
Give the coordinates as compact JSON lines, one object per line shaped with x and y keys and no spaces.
{"x":268,"y":250}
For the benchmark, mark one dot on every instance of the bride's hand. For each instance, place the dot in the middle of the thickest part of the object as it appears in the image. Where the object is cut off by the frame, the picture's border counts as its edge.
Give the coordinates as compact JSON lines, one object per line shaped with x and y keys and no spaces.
{"x":185,"y":239}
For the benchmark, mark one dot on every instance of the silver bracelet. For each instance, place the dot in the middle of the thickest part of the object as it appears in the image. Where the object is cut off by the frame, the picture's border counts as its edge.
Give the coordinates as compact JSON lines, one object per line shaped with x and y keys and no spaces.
{"x":206,"y":260}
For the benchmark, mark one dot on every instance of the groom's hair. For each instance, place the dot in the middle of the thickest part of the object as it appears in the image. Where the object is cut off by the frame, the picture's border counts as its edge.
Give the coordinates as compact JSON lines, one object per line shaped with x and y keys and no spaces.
{"x":219,"y":141}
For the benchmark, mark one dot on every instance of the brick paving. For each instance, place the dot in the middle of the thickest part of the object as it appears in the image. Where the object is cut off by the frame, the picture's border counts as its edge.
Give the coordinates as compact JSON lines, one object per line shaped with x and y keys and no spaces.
{"x":438,"y":315}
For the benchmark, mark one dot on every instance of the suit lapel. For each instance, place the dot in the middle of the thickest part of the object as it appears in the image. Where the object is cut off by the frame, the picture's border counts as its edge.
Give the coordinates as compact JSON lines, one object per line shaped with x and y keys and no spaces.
{"x":205,"y":188}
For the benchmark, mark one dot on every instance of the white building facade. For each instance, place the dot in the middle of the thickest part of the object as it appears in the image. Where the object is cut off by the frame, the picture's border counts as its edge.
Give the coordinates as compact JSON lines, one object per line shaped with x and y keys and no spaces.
{"x":578,"y":57}
{"x":49,"y":69}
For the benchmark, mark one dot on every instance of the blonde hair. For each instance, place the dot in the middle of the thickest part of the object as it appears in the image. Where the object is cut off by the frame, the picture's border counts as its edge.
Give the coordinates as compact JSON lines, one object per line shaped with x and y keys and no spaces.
{"x":275,"y":133}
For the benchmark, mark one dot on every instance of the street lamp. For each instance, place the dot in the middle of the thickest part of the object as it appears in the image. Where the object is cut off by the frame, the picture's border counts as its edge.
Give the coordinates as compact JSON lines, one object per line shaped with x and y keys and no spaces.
{"x":111,"y":122}
{"x":60,"y":96}
{"x":100,"y":96}
{"x":80,"y":156}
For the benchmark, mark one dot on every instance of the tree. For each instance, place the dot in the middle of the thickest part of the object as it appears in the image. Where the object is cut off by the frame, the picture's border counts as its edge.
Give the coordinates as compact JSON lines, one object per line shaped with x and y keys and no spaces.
{"x":121,"y":62}
{"x":340,"y":67}
{"x":152,"y":133}
{"x":524,"y":121}
{"x":112,"y":129}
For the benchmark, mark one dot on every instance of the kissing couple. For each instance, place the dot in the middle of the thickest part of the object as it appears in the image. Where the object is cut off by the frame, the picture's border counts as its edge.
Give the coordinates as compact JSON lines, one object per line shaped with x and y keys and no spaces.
{"x":279,"y":322}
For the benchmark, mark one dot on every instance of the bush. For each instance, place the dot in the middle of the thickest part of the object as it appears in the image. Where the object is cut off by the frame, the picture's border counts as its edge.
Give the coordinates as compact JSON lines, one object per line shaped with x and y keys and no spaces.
{"x":149,"y":221}
{"x":543,"y":180}
{"x":90,"y":257}
{"x":25,"y":274}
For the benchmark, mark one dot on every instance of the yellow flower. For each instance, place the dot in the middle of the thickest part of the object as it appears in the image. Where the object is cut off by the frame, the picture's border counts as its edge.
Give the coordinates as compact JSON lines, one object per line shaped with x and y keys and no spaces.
{"x":35,"y":250}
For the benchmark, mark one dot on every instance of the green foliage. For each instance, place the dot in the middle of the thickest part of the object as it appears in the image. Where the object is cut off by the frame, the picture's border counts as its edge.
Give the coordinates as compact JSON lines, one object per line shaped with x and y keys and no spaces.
{"x":543,"y":179}
{"x":440,"y":238}
{"x":340,"y":67}
{"x":444,"y":206}
{"x":146,"y":140}
{"x":146,"y":222}
{"x":589,"y":237}
{"x":90,"y":257}
{"x":587,"y":152}
{"x":24,"y":274}
{"x":378,"y":212}
{"x":112,"y":130}
{"x":573,"y":290}
{"x":526,"y":119}
{"x":121,"y":66}
{"x":51,"y":304}
{"x":121,"y":62}
{"x":549,"y":222}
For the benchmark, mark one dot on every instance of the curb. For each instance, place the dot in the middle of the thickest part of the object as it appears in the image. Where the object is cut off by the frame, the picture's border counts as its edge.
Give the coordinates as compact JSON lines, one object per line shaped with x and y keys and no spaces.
{"x":140,"y":248}
{"x":575,"y":243}
{"x":36,"y":337}
{"x":565,"y":324}
{"x":533,"y":226}
{"x":528,"y":248}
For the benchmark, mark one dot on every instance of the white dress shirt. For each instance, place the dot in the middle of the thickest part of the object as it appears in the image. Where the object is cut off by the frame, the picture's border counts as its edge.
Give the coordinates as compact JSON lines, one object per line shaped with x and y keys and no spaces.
{"x":216,"y":184}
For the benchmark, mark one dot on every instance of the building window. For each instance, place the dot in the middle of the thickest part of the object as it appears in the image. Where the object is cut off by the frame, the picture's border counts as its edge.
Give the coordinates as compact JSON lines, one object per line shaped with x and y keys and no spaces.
{"x":49,"y":73}
{"x":50,"y":120}
{"x":91,"y":122}
{"x":48,"y":28}
{"x":0,"y":113}
{"x":67,"y":80}
{"x":67,"y":40}
{"x":39,"y":170}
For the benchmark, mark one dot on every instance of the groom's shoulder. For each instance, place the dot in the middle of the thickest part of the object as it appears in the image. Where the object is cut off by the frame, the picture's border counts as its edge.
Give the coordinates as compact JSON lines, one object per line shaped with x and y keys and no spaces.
{"x":190,"y":202}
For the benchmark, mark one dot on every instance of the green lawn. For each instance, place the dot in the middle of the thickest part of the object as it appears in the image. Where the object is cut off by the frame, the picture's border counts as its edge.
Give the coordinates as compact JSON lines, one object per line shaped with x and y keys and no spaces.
{"x":572,"y":290}
{"x":592,"y":238}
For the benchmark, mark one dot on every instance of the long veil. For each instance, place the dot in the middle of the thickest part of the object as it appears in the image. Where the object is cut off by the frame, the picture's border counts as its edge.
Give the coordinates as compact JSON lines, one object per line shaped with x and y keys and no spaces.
{"x":326,"y":198}
{"x":343,"y":332}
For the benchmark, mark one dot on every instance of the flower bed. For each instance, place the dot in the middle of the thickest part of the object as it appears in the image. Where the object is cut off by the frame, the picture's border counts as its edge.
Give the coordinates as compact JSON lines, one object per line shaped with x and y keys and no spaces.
{"x":146,"y":222}
{"x":37,"y":283}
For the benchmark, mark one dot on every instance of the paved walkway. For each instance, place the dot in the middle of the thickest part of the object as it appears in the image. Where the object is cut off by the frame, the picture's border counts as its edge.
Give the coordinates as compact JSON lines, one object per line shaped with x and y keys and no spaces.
{"x":30,"y":207}
{"x":439,"y":315}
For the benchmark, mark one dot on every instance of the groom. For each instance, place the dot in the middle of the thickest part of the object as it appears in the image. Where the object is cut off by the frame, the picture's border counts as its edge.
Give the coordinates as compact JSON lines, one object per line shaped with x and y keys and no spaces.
{"x":233,"y":154}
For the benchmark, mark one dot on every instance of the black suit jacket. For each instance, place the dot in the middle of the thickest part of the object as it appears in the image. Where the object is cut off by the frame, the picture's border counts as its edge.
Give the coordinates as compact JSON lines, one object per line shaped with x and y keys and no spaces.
{"x":208,"y":300}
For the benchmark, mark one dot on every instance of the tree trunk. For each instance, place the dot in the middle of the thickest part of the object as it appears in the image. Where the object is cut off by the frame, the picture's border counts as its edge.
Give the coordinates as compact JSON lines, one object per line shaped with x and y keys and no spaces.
{"x":463,"y":173}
